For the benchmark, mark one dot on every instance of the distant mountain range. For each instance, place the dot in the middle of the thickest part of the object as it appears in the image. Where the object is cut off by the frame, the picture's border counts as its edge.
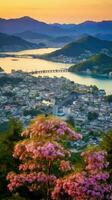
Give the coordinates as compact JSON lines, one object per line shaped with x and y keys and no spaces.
{"x":85,"y":46}
{"x":100,"y":64}
{"x":89,"y":27}
{"x":13,"y":43}
{"x":12,"y":26}
{"x":54,"y":35}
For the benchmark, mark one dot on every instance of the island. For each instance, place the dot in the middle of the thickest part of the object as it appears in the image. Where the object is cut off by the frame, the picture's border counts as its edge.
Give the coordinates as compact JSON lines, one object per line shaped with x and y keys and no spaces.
{"x":98,"y":65}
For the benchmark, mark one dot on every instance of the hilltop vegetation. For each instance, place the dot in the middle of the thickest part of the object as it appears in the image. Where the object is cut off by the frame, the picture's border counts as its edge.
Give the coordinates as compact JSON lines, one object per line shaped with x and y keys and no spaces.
{"x":99,"y":64}
{"x":85,"y":46}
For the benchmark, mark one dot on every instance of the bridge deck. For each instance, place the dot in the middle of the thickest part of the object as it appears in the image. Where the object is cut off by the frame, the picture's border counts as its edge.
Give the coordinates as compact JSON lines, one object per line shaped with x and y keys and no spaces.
{"x":49,"y":71}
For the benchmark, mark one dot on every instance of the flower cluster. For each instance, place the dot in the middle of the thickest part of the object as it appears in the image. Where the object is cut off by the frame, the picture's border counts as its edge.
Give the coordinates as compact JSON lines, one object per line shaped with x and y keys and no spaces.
{"x":86,"y":185}
{"x":52,"y":127}
{"x":95,"y":161}
{"x":17,"y":180}
{"x":65,"y":166}
{"x":35,"y":150}
{"x":79,"y":187}
{"x":70,"y":186}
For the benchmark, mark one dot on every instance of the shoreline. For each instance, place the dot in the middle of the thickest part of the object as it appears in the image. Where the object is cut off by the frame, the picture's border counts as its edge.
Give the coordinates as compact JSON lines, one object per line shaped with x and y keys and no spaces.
{"x":99,"y":76}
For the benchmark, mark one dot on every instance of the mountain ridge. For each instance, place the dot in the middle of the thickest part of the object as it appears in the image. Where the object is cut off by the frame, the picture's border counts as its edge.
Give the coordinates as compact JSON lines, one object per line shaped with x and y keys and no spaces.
{"x":84,"y":46}
{"x":14,"y":43}
{"x":26,"y":23}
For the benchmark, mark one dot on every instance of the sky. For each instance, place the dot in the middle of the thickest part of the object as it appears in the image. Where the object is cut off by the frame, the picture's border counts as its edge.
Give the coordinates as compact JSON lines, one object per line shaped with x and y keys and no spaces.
{"x":62,"y":11}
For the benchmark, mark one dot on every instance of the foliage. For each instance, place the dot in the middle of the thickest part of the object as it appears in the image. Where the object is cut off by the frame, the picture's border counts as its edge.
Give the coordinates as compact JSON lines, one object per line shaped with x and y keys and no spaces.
{"x":8,"y":80}
{"x":15,"y":196}
{"x":94,"y":89}
{"x":109,"y":98}
{"x":7,"y":162}
{"x":99,"y":64}
{"x":92,"y":116}
{"x":106,"y":144}
{"x":32,"y":112}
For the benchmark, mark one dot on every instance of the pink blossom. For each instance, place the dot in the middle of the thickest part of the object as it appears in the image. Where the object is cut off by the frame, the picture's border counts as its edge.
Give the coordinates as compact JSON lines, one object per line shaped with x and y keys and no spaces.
{"x":65,"y":166}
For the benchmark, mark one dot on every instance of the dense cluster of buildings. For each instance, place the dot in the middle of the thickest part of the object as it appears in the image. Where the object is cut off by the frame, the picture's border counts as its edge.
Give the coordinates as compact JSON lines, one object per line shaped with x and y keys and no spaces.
{"x":23,"y":96}
{"x":67,"y":59}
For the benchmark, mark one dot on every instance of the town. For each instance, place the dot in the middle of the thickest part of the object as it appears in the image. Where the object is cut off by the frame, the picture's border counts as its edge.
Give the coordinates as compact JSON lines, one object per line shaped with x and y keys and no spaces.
{"x":23,"y":96}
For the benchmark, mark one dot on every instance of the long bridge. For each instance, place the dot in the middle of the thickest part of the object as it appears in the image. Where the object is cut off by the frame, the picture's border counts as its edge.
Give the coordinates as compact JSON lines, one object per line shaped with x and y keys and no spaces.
{"x":48,"y":71}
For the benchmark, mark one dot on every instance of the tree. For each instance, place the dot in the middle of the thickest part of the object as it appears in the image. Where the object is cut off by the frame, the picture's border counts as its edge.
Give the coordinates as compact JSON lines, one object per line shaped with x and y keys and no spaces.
{"x":92,"y":116}
{"x":45,"y":171}
{"x":7,"y":162}
{"x":109,"y":98}
{"x":106,"y":144}
{"x":94,"y":89}
{"x":43,"y":155}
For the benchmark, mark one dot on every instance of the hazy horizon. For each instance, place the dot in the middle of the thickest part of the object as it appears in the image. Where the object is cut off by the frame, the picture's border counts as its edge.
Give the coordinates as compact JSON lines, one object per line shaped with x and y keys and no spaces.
{"x":89,"y":20}
{"x":64,"y":11}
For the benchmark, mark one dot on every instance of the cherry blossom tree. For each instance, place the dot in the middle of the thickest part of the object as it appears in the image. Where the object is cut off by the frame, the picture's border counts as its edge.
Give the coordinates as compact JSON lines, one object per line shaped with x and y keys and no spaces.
{"x":42,"y":155}
{"x":45,"y":165}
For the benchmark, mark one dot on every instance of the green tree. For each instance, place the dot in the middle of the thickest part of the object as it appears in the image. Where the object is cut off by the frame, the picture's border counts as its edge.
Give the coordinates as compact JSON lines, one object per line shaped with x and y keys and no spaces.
{"x":106,"y":144}
{"x":92,"y":116}
{"x":109,"y":98}
{"x":7,"y":162}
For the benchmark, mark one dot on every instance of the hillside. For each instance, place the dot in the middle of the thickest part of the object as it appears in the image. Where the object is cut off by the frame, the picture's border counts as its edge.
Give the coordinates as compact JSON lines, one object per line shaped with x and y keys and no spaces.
{"x":100,"y":64}
{"x":104,"y":36}
{"x":13,"y":43}
{"x":85,"y":47}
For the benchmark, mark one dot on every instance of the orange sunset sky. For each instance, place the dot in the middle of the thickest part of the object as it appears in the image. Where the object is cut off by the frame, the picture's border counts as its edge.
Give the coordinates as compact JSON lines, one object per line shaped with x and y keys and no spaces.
{"x":68,"y":11}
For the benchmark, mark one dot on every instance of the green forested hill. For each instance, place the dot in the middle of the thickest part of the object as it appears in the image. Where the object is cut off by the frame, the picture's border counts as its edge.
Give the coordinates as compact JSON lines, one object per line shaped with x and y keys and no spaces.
{"x":98,"y":64}
{"x":82,"y":46}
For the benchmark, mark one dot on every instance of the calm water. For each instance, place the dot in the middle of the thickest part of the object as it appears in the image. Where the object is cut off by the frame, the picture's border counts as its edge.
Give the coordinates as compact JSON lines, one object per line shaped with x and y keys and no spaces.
{"x":29,"y":64}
